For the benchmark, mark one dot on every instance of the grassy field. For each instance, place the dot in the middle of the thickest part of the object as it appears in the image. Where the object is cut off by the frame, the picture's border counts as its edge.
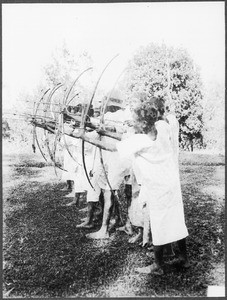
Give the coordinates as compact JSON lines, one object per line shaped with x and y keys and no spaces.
{"x":45,"y":255}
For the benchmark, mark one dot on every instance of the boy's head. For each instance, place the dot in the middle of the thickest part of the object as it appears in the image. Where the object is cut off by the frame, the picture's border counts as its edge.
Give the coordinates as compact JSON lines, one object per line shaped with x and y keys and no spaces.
{"x":160,"y":105}
{"x":146,"y":113}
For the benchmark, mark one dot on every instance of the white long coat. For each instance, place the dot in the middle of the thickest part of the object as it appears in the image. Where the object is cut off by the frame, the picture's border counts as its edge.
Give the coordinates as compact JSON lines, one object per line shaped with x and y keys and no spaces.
{"x":160,"y":184}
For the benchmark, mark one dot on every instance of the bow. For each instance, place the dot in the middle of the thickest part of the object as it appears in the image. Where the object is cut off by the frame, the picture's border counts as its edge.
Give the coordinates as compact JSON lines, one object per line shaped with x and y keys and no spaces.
{"x":84,"y":117}
{"x":65,"y":106}
{"x":35,"y":137}
{"x":52,"y":155}
{"x":103,"y":110}
{"x":57,"y":133}
{"x":70,"y":89}
{"x":168,"y":76}
{"x":101,"y":154}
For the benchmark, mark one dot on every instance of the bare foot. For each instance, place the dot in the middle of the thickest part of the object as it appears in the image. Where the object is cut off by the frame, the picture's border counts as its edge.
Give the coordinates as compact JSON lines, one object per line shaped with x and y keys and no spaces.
{"x":83,"y":209}
{"x":71,"y":195}
{"x":101,"y":234}
{"x":146,"y":241}
{"x":98,"y":216}
{"x":112,"y":224}
{"x":151,"y":269}
{"x":181,"y":262}
{"x":125,"y":229}
{"x":146,"y":244}
{"x":122,"y":228}
{"x":83,"y":219}
{"x":135,"y":238}
{"x":150,"y":254}
{"x":129,"y":230}
{"x":186,"y":264}
{"x":65,"y":189}
{"x":72,"y":203}
{"x":85,"y":225}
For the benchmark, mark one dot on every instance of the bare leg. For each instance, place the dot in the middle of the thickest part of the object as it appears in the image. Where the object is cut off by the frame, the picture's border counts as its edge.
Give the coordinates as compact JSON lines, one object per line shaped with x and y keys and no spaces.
{"x":75,"y":200}
{"x":183,"y":258}
{"x":157,"y":266}
{"x":98,"y":212}
{"x":84,"y":219}
{"x":103,"y":232}
{"x":88,"y":223}
{"x":147,"y":240}
{"x":137,"y":237}
{"x":117,"y":211}
{"x":83,"y":209}
{"x":127,"y":228}
{"x":68,"y":186}
{"x":70,"y":195}
{"x":168,"y":250}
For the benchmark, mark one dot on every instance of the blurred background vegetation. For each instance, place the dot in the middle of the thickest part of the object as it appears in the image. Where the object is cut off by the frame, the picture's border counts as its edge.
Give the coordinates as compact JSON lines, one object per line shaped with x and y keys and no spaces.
{"x":155,"y":70}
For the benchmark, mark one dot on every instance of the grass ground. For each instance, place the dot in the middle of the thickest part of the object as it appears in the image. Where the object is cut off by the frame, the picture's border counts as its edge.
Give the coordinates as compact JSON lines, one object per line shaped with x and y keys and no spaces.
{"x":45,"y":255}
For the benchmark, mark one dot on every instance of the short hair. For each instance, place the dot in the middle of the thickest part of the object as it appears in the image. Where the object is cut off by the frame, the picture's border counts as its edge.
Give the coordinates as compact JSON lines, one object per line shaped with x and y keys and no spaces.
{"x":159,"y":102}
{"x":147,"y":112}
{"x":112,"y":108}
{"x":167,"y":108}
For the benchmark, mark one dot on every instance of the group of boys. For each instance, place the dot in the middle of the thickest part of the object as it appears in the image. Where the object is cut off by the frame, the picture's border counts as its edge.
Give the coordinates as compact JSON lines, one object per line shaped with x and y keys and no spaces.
{"x":107,"y":172}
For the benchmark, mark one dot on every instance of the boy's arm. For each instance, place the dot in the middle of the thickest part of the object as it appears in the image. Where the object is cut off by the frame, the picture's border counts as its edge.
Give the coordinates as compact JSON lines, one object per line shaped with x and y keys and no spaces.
{"x":80,"y":134}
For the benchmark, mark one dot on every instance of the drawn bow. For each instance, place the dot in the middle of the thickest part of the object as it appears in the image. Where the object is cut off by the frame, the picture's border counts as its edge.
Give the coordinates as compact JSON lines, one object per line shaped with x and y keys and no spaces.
{"x":65,"y":106}
{"x":85,"y":115}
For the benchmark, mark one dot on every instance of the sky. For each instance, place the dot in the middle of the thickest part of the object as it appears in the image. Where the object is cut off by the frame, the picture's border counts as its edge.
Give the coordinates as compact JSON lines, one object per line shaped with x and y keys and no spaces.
{"x":31,"y":33}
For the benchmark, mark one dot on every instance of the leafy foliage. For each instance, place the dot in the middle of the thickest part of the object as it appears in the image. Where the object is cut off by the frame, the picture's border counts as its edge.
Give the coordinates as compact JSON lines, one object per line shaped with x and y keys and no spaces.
{"x":64,"y":66}
{"x":17,"y":131}
{"x":170,"y":73}
{"x":214,"y":117}
{"x":5,"y":129}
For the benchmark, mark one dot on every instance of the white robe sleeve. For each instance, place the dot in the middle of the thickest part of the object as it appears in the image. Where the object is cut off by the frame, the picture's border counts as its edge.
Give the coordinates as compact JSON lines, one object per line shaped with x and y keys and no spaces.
{"x":130,"y":146}
{"x":175,"y":133}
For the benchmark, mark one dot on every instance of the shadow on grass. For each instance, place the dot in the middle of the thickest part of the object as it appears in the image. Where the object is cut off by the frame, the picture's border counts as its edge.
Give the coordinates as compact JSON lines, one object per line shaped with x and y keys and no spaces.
{"x":205,"y":220}
{"x":47,"y":256}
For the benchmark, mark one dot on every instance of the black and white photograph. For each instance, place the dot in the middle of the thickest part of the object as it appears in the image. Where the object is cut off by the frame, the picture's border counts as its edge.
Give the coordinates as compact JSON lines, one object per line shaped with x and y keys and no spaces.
{"x":113,"y":149}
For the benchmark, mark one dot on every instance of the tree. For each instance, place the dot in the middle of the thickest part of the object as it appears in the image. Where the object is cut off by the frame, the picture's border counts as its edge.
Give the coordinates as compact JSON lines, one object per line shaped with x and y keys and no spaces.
{"x":170,"y":73}
{"x":64,"y":67}
{"x":214,"y":117}
{"x":5,"y":129}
